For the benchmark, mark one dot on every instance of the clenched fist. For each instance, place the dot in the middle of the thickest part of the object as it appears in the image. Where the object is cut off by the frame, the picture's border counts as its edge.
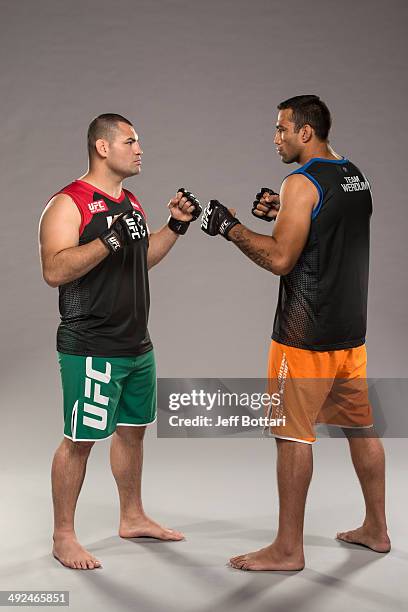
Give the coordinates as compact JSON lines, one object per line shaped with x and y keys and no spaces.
{"x":266,"y":204}
{"x":184,"y":208}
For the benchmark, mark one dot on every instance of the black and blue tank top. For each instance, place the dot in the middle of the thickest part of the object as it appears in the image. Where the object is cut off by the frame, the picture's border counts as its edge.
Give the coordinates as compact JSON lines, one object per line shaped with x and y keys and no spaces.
{"x":322,"y":303}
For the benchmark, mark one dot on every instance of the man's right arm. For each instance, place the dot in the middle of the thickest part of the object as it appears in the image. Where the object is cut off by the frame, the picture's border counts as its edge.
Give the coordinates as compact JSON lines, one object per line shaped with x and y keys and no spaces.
{"x":62,"y":260}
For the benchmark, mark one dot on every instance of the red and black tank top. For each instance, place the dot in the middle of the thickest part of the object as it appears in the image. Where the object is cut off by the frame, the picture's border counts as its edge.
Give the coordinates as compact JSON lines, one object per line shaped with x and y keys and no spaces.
{"x":322,"y":303}
{"x":105,"y":312}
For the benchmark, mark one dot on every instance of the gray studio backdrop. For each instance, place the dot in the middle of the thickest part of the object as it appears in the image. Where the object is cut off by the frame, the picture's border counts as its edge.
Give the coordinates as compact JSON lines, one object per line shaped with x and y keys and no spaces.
{"x":201,"y":81}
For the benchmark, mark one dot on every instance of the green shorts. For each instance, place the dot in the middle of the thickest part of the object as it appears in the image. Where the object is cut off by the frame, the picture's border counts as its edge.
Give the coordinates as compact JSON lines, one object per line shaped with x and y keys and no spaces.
{"x":102,"y":393}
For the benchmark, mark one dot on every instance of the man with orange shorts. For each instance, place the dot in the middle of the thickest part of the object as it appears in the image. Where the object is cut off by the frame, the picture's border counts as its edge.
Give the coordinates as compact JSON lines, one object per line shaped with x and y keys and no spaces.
{"x":317,"y":360}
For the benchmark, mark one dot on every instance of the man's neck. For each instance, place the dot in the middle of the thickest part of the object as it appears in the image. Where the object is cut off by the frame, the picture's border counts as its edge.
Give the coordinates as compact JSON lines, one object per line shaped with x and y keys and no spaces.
{"x":325,"y":152}
{"x":112,"y":185}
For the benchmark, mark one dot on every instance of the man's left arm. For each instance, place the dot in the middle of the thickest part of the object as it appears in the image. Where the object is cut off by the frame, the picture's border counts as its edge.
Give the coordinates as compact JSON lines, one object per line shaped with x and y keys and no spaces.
{"x":184,"y":208}
{"x":279,"y":253}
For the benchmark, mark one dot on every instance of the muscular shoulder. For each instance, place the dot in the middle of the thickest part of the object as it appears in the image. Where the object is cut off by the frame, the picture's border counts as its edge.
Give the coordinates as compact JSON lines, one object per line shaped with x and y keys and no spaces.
{"x":63,"y":207}
{"x":297,"y":190}
{"x":60,"y":222}
{"x":298,"y":184}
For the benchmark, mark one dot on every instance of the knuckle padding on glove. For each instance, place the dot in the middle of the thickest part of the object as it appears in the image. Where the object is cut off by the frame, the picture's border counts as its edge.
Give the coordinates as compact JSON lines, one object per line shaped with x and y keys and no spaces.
{"x":217,"y":219}
{"x":178,"y":226}
{"x":267,"y":204}
{"x":121,"y":233}
{"x":194,"y":201}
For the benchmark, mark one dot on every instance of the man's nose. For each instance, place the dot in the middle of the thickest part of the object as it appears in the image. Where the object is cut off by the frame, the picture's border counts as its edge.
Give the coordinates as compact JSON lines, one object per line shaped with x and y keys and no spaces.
{"x":138,"y":149}
{"x":277,"y":138}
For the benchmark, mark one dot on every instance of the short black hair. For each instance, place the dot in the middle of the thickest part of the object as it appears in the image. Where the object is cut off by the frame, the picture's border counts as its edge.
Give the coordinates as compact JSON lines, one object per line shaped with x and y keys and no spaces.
{"x":103,"y":126}
{"x":309,"y":109}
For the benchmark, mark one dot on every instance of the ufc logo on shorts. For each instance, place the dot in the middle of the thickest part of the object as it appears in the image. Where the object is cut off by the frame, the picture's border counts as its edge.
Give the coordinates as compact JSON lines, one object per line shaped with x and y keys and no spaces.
{"x":93,"y":391}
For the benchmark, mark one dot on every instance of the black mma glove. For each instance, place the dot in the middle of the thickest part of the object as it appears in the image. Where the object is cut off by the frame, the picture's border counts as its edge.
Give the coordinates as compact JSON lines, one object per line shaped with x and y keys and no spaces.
{"x":217,"y":219}
{"x":123,"y":231}
{"x":256,"y":202}
{"x":180,"y":227}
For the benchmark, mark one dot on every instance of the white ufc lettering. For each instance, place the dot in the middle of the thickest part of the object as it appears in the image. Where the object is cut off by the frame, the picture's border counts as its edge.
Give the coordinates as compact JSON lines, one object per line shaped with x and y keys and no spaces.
{"x":133,"y":229}
{"x":206,"y":216}
{"x":100,"y":418}
{"x":97,"y":411}
{"x":97,"y":374}
{"x":97,"y":206}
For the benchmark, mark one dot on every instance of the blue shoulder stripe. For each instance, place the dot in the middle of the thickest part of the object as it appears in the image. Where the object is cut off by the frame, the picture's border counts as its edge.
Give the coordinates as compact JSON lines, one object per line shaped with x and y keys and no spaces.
{"x":316,"y":210}
{"x":302,"y":170}
{"x":343,"y":160}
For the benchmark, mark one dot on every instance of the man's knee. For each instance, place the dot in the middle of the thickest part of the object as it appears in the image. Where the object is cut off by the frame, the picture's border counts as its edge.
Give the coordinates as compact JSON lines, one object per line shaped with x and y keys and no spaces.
{"x":130,"y":434}
{"x":78,"y":448}
{"x":353,"y":433}
{"x":292,"y":445}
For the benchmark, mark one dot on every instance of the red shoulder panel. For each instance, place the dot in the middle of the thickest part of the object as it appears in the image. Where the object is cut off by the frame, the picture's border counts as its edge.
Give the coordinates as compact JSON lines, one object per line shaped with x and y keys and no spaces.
{"x":81,"y":194}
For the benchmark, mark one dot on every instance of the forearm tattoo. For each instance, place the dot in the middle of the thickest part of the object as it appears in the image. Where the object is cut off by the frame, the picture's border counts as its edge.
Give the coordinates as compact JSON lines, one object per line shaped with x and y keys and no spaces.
{"x":245,"y":243}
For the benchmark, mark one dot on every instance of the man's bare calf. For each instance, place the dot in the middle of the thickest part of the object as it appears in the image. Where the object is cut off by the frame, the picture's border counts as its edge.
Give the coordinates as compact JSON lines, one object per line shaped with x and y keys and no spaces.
{"x":68,"y":472}
{"x":367,"y":454}
{"x":126,"y":462}
{"x":294,"y":468}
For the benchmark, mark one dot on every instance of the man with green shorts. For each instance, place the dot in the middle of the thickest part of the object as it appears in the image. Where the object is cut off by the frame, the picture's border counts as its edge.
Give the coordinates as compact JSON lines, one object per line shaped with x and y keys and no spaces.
{"x":95,"y":247}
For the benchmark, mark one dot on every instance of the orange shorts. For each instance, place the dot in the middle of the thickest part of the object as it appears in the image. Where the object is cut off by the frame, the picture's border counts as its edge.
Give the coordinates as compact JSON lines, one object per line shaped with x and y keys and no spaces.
{"x":311,"y":387}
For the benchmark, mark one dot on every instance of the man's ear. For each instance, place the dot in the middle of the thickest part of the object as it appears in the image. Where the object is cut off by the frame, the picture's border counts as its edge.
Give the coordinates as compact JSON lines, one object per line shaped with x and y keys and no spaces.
{"x":102,"y":147}
{"x":307,"y":133}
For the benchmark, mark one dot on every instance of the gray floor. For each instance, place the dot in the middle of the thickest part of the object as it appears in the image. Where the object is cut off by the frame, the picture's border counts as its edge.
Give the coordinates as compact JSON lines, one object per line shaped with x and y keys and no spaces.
{"x":222,"y":494}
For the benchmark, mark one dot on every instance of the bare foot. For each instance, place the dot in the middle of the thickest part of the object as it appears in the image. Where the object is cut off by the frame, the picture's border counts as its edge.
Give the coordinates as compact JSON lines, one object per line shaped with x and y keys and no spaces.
{"x":269,"y":558}
{"x":366,"y":537}
{"x":68,"y":551}
{"x":146,"y":527}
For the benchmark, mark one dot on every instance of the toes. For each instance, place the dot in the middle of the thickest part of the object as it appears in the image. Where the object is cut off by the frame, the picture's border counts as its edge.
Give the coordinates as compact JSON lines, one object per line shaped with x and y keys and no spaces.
{"x":171,"y":534}
{"x":92,"y":562}
{"x":238,"y":562}
{"x":242,"y":565}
